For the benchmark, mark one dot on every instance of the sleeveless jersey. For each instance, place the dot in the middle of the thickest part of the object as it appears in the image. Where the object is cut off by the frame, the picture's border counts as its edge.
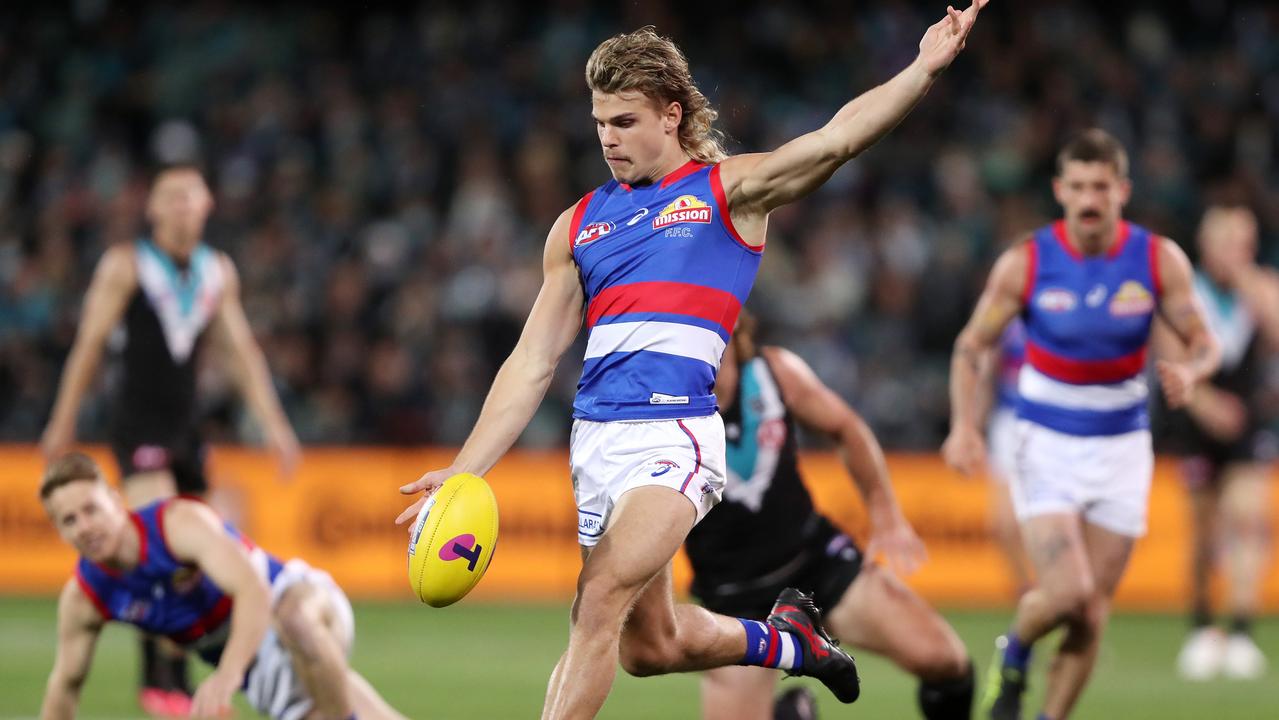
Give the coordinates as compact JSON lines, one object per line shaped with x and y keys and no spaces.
{"x":163,"y":595}
{"x":1012,"y":355}
{"x":766,"y":514}
{"x":164,"y":322}
{"x":665,"y":275}
{"x":1235,"y":328}
{"x":1087,"y":328}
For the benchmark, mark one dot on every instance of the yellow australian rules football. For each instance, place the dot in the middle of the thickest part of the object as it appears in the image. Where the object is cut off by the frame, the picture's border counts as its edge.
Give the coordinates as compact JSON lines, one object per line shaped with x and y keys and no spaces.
{"x":452,"y":540}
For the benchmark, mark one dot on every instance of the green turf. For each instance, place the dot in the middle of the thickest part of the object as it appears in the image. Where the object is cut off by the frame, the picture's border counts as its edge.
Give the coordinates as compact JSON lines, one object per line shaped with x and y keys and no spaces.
{"x":485,"y":661}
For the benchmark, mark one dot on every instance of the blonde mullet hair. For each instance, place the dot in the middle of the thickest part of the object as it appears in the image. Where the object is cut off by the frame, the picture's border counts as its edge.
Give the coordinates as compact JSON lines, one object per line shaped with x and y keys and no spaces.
{"x":646,"y":62}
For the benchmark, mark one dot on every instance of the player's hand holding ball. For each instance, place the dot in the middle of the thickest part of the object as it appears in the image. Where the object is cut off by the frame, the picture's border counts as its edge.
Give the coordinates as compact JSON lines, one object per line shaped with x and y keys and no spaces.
{"x":427,"y":485}
{"x":451,"y":541}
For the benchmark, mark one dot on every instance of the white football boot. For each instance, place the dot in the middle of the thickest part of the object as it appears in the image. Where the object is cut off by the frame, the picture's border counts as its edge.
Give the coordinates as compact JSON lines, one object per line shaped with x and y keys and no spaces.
{"x":1202,"y":654}
{"x":1243,"y":660}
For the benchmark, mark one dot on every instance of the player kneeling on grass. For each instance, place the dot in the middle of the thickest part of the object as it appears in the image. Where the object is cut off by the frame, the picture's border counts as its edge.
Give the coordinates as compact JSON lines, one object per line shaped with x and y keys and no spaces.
{"x":766,"y":536}
{"x":278,"y":631}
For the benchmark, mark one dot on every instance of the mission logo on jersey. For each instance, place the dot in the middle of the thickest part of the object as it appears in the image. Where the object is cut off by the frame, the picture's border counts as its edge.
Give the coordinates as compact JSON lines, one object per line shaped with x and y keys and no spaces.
{"x":685,"y":208}
{"x":1132,"y":299}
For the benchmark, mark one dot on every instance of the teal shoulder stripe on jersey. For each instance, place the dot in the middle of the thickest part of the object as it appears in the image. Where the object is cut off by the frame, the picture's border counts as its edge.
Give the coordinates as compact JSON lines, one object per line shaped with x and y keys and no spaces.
{"x":743,"y":454}
{"x":186,"y":285}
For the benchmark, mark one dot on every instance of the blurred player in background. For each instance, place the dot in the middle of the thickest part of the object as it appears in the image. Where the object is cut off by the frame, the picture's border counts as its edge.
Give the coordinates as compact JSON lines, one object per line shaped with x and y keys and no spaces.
{"x":661,"y":258}
{"x":999,"y":376}
{"x":1227,"y":450}
{"x":766,"y":536}
{"x":281,"y":632}
{"x":1087,"y":287}
{"x":169,"y":291}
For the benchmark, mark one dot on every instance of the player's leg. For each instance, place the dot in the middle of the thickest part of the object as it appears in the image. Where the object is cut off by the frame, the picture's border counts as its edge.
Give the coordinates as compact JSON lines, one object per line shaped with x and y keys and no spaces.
{"x":1108,"y":554}
{"x":1245,"y":531}
{"x":1063,"y":587}
{"x":308,"y":626}
{"x":1007,"y":532}
{"x":879,"y":613}
{"x":366,"y":702}
{"x":1200,"y":656}
{"x":645,"y":530}
{"x":738,"y":692}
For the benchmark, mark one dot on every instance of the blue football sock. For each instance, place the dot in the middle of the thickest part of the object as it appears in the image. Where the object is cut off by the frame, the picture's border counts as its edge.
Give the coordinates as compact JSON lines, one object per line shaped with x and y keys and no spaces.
{"x":1016,"y":655}
{"x":766,"y":647}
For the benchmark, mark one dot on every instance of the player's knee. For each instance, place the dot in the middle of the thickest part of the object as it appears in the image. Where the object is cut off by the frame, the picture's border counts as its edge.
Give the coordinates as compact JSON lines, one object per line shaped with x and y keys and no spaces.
{"x":599,"y":601}
{"x":299,"y":624}
{"x":941,"y":661}
{"x":1072,"y":601}
{"x":646,"y":657}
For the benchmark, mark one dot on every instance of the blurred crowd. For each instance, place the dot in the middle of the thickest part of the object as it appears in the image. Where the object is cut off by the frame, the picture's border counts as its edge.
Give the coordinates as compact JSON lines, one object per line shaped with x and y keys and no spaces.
{"x":385,"y":178}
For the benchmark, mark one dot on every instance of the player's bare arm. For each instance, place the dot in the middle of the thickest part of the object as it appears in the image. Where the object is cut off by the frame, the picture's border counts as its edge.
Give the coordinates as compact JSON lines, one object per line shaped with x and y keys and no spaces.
{"x":817,"y":407}
{"x":249,"y":369}
{"x":78,"y":627}
{"x":1000,"y":302}
{"x":1179,"y":308}
{"x":114,"y":281}
{"x":523,"y":379}
{"x":754,"y":184}
{"x":1259,"y":287}
{"x":195,"y":534}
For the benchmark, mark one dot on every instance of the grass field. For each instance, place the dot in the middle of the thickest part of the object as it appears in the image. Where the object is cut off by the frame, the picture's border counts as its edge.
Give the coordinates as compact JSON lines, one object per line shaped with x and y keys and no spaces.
{"x":491,"y":661}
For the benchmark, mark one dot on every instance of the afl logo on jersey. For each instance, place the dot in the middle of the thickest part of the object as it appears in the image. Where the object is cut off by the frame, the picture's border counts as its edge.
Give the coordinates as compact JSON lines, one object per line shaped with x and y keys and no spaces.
{"x":1132,"y":299}
{"x":1056,"y":300}
{"x":593,"y":232}
{"x":685,"y":208}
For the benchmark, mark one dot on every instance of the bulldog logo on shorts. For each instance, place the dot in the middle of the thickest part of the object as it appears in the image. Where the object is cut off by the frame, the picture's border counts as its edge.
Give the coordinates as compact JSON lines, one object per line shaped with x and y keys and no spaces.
{"x":663,"y":467}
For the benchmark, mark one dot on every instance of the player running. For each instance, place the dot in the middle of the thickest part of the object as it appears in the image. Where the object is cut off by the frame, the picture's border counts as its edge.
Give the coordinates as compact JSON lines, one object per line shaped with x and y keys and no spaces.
{"x":658,"y":262}
{"x":278,"y":631}
{"x":1087,"y":288}
{"x":170,"y":292}
{"x":766,"y":536}
{"x":1227,"y":451}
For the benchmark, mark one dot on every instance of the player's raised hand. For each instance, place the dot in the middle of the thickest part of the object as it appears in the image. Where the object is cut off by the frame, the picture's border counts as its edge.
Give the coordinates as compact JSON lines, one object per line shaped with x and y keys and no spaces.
{"x":1178,"y":382}
{"x":897,"y":543}
{"x":964,"y":450}
{"x":944,"y":40}
{"x":286,"y":448}
{"x":427,"y":485}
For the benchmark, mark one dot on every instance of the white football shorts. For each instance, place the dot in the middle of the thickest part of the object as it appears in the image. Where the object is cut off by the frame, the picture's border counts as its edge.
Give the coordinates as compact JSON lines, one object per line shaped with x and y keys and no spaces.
{"x":1001,"y":444}
{"x":272,"y":686}
{"x":609,"y":458}
{"x":1104,"y":479}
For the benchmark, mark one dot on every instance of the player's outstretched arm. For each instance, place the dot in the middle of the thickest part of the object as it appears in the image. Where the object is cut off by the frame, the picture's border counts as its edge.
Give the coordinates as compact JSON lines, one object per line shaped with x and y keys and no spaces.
{"x":249,"y":369}
{"x":1181,"y":311}
{"x":522,"y":381}
{"x":755,"y":184}
{"x":999,"y":303}
{"x":819,"y":408}
{"x":78,"y":626}
{"x":195,"y":534}
{"x":114,"y":281}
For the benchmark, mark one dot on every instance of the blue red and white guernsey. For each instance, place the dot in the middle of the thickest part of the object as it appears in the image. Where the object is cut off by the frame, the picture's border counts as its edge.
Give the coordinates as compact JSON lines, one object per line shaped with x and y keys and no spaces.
{"x":163,"y":595}
{"x":665,"y":275}
{"x":1087,"y":328}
